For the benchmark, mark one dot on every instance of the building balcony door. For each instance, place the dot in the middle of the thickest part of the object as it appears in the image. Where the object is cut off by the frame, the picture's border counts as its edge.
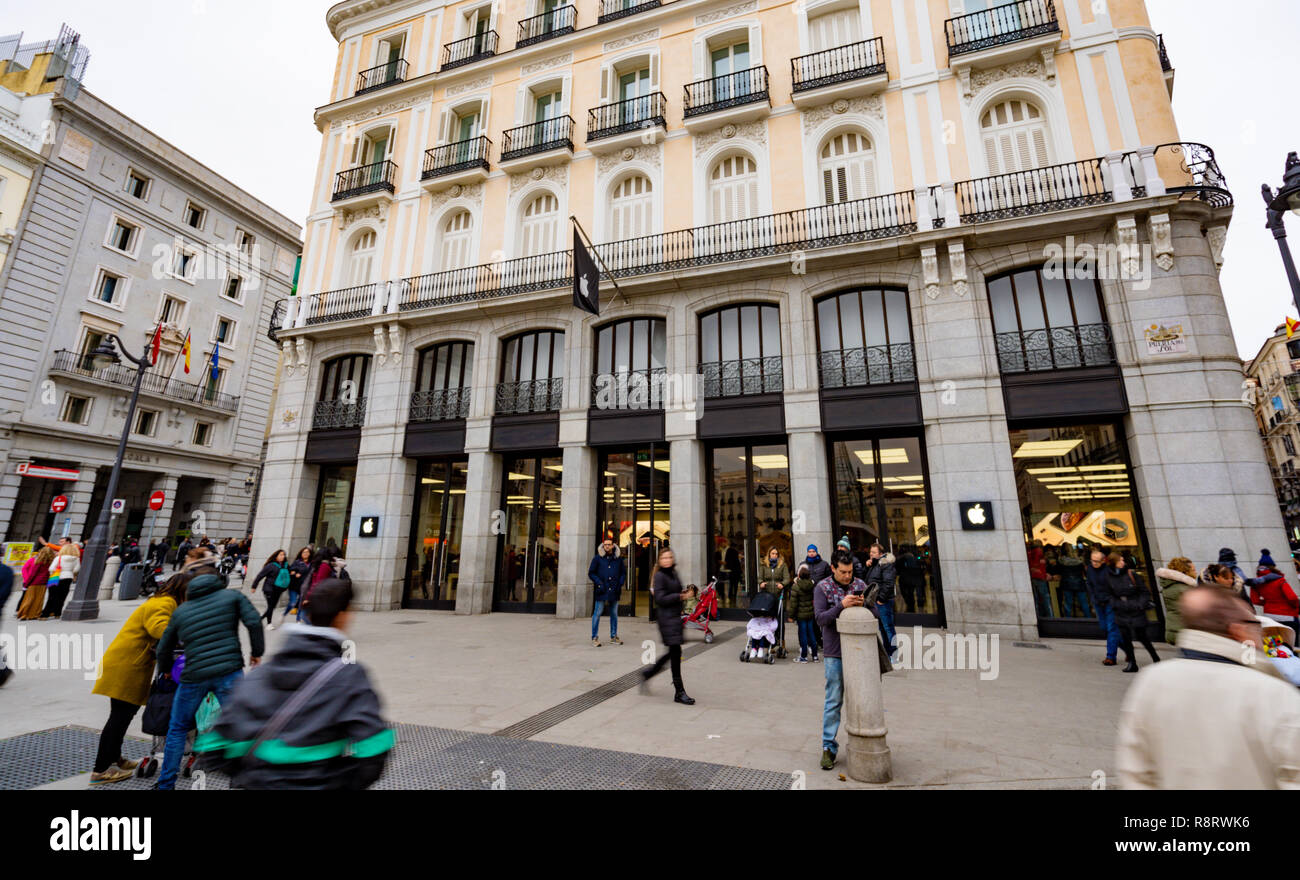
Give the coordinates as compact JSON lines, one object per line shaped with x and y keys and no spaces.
{"x":528,"y":554}
{"x":750,"y":513}
{"x":433,"y":560}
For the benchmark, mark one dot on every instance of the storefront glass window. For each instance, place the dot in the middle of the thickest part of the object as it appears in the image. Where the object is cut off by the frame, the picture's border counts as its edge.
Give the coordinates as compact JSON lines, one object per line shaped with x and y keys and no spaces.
{"x":335,"y":507}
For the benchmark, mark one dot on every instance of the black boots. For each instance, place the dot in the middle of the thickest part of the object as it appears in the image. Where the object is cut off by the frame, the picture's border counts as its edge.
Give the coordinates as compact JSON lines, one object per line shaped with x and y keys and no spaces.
{"x":1132,"y":666}
{"x":682,"y":697}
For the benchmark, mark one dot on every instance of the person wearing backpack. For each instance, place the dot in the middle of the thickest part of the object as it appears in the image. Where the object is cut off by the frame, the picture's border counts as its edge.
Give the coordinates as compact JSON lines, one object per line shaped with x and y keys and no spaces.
{"x":274,"y":578}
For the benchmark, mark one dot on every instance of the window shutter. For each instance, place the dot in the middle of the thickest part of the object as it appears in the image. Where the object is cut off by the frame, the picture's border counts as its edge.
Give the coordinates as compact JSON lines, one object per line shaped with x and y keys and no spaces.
{"x":444,"y":127}
{"x":867,"y":178}
{"x":519,"y":105}
{"x":1040,"y":147}
{"x":606,"y":74}
{"x":828,"y":186}
{"x":355,"y":153}
{"x":654,"y":71}
{"x":842,"y":184}
{"x":1008,"y":154}
{"x":991,"y":154}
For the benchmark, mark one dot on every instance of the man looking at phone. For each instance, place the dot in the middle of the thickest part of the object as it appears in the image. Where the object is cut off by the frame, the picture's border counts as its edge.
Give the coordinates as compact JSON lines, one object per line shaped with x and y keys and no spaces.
{"x":832,"y":595}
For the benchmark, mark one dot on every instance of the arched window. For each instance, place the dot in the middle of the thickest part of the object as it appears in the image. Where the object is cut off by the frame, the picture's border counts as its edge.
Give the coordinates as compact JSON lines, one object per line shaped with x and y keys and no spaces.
{"x":740,"y":351}
{"x":1015,"y":137}
{"x":1044,"y":322}
{"x":848,"y":168}
{"x":444,"y":378}
{"x":361,"y":260}
{"x":342,"y":399}
{"x":532,"y":373}
{"x":631,"y":359}
{"x":541,"y":224}
{"x":631,"y":209}
{"x":456,"y":241}
{"x":864,"y":337}
{"x":733,"y":189}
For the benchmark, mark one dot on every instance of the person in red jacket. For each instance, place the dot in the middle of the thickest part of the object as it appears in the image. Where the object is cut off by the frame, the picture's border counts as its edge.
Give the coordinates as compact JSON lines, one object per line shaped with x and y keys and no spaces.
{"x":1275,"y":594}
{"x":1038,"y":577}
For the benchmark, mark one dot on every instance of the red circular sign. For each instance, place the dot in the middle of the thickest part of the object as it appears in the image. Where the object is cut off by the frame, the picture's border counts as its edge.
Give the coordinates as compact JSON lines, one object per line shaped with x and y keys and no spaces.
{"x":156,"y":500}
{"x":59,"y":504}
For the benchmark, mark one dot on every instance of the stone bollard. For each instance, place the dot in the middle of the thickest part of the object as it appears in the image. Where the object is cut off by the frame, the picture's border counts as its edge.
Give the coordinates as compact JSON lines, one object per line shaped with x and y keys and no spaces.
{"x":107,"y":584}
{"x":864,"y":705}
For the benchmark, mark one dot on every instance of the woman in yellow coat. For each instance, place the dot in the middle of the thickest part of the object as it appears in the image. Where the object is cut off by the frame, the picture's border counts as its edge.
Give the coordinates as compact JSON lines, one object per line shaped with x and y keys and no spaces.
{"x":126,"y":674}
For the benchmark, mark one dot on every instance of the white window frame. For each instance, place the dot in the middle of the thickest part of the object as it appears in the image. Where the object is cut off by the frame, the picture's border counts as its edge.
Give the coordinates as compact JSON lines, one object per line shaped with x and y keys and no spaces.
{"x":654,"y":214}
{"x":176,"y":253}
{"x":544,"y":84}
{"x":139,"y":416}
{"x":815,"y":9}
{"x":449,"y":118}
{"x":148,"y":184}
{"x":871,"y":154}
{"x":252,"y":242}
{"x":234,"y":330}
{"x":472,"y":13}
{"x":363,"y":142}
{"x":137,"y":234}
{"x":728,"y":33}
{"x":468,"y":236}
{"x":243,"y":287}
{"x":524,"y":204}
{"x":121,"y":293}
{"x":184,"y":308}
{"x":203,"y":215}
{"x":344,"y":265}
{"x":68,"y":397}
{"x":1060,"y":149}
{"x":615,"y":67}
{"x":387,"y":37}
{"x":194,"y":435}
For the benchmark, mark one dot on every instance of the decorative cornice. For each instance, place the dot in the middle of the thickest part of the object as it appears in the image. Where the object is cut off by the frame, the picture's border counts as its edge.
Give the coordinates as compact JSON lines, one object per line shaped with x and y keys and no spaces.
{"x":461,"y":88}
{"x":726,"y":12}
{"x":631,"y":40}
{"x":1028,"y":69}
{"x":871,"y":106}
{"x":342,"y":12}
{"x":651,"y":154}
{"x":472,"y":193}
{"x":557,"y":174}
{"x":546,"y":63}
{"x":754,"y":133}
{"x":375,"y":112}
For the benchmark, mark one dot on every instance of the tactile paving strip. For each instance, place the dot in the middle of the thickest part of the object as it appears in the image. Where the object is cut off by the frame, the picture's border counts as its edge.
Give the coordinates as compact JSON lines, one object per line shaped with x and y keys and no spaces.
{"x":36,"y":759}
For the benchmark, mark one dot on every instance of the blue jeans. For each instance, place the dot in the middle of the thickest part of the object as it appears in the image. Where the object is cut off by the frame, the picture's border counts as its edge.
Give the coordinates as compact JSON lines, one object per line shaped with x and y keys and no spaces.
{"x":885,"y":613}
{"x":1070,"y":595}
{"x":613,"y":617}
{"x":834,"y":703}
{"x":1106,"y":617}
{"x":1043,"y":596}
{"x":189,"y":696}
{"x":293,"y":603}
{"x":807,"y":638}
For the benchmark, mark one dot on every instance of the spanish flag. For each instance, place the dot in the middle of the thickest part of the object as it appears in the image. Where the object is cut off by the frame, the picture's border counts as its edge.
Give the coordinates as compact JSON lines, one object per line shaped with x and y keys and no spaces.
{"x":1291,"y":326}
{"x":185,"y":350}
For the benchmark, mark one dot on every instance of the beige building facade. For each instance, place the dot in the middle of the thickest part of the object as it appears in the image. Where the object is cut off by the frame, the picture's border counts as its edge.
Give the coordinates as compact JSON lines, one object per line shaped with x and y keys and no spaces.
{"x":1274,"y":382}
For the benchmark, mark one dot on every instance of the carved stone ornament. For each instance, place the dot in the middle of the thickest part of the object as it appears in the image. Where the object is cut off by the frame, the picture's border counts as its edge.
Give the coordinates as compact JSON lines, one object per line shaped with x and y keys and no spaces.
{"x":454,"y":191}
{"x":537,"y":173}
{"x":461,"y":88}
{"x":1217,"y":236}
{"x":726,"y":12}
{"x":174,"y":417}
{"x":471,"y":193}
{"x":930,"y":270}
{"x":957,"y":264}
{"x":286,"y":348}
{"x":753,"y":132}
{"x":871,"y":106}
{"x":1034,"y":68}
{"x":374,"y":212}
{"x":395,"y":344}
{"x":547,"y":63}
{"x":649,"y":154}
{"x":557,"y":174}
{"x":728,"y":131}
{"x":369,"y":113}
{"x":1126,"y":238}
{"x":381,"y":347}
{"x":1162,"y":240}
{"x":302,"y":353}
{"x":631,"y":40}
{"x":840,"y":106}
{"x":289,"y":418}
{"x":627,"y":154}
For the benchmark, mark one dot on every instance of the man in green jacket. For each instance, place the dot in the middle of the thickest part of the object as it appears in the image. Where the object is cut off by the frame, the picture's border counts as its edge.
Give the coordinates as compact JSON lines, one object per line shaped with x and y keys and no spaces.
{"x":207,"y":626}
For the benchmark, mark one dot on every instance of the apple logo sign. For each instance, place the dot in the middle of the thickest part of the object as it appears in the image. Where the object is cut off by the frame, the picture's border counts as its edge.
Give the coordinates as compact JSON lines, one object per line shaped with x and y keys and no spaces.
{"x":976,"y":515}
{"x":369,"y":526}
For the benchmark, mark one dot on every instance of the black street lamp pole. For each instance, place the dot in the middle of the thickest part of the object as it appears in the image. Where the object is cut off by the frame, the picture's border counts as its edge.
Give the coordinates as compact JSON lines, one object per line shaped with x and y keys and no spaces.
{"x":1278,"y":203}
{"x":85,"y":601}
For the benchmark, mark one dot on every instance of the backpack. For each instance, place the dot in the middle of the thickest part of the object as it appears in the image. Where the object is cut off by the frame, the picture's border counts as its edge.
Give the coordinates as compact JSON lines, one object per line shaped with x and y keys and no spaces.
{"x":282,"y":578}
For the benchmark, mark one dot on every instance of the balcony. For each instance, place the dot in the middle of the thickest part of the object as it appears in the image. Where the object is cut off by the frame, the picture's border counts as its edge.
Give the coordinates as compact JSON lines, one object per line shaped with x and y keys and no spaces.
{"x":1165,"y":66}
{"x":611,"y":127}
{"x":872,"y":365}
{"x":1292,"y":382}
{"x":70,"y":363}
{"x":347,"y":304}
{"x":530,"y":396}
{"x":743,"y":378}
{"x":367,"y":185}
{"x":629,"y":390}
{"x":384,"y":75}
{"x":549,"y":142}
{"x":462,"y":162}
{"x":732,"y":98}
{"x":333,"y":415}
{"x":439,"y":405}
{"x":1191,"y":171}
{"x":850,"y":71}
{"x":1002,"y":34}
{"x":1037,"y":191}
{"x":473,"y":48}
{"x":611,"y":10}
{"x":548,"y":25}
{"x":1055,"y":348}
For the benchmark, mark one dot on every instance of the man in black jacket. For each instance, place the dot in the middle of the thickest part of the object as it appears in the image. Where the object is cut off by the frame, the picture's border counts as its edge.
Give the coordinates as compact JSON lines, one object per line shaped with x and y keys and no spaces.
{"x":308,"y":718}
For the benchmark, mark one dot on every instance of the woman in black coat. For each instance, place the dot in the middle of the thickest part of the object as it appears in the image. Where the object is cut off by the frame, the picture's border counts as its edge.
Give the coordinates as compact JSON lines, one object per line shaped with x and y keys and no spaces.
{"x":267,"y":577}
{"x":1130,"y":603}
{"x":299,"y":578}
{"x":668,"y":601}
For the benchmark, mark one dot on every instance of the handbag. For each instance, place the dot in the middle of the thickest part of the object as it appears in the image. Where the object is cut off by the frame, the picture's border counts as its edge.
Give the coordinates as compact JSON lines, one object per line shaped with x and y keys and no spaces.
{"x":158,"y":709}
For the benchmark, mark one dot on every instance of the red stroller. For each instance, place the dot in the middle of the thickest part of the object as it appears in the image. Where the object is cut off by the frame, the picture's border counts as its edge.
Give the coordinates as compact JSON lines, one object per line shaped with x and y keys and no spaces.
{"x":706,"y":609}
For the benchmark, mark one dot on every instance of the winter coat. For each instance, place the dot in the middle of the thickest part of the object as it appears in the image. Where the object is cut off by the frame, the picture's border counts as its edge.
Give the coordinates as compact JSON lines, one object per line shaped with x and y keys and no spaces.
{"x":1172,"y":586}
{"x":911,"y":570}
{"x":607,"y":574}
{"x":801,"y":599}
{"x":208,"y":627}
{"x":129,"y":661}
{"x":1098,"y":586}
{"x":781,"y":575}
{"x":1037,"y":564}
{"x":668,"y":601}
{"x":299,"y":572}
{"x":337,"y":740}
{"x":1128,"y":599}
{"x":818,"y":569}
{"x":1071,"y":573}
{"x":65,"y":568}
{"x":1277,"y":597}
{"x":33,"y":573}
{"x":881,"y":574}
{"x":268,"y":574}
{"x":1207,"y":721}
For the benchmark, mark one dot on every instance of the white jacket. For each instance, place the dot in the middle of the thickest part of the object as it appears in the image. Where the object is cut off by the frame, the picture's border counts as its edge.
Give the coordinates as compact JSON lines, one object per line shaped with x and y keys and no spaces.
{"x":66,"y":567}
{"x":1198,"y":724}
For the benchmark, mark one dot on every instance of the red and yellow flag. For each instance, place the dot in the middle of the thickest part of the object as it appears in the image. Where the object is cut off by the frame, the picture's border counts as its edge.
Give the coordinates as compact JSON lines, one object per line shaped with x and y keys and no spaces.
{"x":1291,"y":326}
{"x":185,"y":350}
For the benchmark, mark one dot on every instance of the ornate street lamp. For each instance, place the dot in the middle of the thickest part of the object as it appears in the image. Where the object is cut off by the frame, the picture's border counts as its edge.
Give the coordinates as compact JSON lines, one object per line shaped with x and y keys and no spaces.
{"x":85,"y":600}
{"x":1278,"y":203}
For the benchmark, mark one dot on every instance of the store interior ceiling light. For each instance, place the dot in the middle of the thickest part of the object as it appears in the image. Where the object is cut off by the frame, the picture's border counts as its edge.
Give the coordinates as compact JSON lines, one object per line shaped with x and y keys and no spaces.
{"x":1102,"y":467}
{"x":1046,"y":448}
{"x":552,"y":467}
{"x":895,"y":455}
{"x":772,"y":461}
{"x":1056,"y":481}
{"x":917,"y":494}
{"x":662,"y":465}
{"x":1052,"y":470}
{"x":520,"y":477}
{"x":430,"y":481}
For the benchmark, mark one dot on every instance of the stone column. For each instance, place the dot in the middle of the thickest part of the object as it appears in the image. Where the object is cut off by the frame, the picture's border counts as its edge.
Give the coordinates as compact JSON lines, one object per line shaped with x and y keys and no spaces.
{"x":578,"y":532}
{"x":864,"y":703}
{"x":158,"y":521}
{"x":484,"y":522}
{"x":810,"y":487}
{"x":688,"y":508}
{"x":287,"y":498}
{"x":79,"y":508}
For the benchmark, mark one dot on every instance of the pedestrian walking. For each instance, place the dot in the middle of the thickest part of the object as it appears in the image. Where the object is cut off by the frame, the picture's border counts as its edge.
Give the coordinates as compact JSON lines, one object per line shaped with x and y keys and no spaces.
{"x":125,"y":675}
{"x":881,"y":576}
{"x":36,"y":577}
{"x":774,"y":575}
{"x":1175,"y":580}
{"x":1098,"y":587}
{"x":65,"y":567}
{"x":321,"y":568}
{"x":668,"y":602}
{"x":1219,"y":717}
{"x":307,"y":718}
{"x":299,"y":578}
{"x":1130,"y":603}
{"x":274,"y":578}
{"x":208,"y":626}
{"x":608,"y":573}
{"x":802,"y":615}
{"x":182,"y":551}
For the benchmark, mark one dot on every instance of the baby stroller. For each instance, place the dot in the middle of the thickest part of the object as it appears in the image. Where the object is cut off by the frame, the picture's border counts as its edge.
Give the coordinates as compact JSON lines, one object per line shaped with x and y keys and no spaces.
{"x":706,"y":609}
{"x":766,"y":625}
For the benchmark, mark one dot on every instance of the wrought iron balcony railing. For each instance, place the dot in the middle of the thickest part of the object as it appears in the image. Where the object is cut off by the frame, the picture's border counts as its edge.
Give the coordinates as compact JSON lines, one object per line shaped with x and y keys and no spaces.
{"x":531,"y":396}
{"x":334,"y":414}
{"x":384,"y":75}
{"x":537,"y":137}
{"x":364,"y":180}
{"x":743,"y":377}
{"x":724,"y":92}
{"x":1000,"y":25}
{"x":1036,"y":191}
{"x":1164,"y":54}
{"x":440,"y":405}
{"x":1191,"y":170}
{"x":645,"y":111}
{"x":456,"y":157}
{"x":629,"y":390}
{"x":277,"y":318}
{"x":615,"y":9}
{"x":557,"y":22}
{"x":340,"y":305}
{"x":72,"y":363}
{"x":1055,"y":348}
{"x":838,"y":65}
{"x":473,"y":48}
{"x":872,"y":365}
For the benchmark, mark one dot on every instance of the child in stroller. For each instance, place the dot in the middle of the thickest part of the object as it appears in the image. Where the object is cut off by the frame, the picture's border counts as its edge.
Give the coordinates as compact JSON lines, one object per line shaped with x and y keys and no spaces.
{"x":765,"y":614}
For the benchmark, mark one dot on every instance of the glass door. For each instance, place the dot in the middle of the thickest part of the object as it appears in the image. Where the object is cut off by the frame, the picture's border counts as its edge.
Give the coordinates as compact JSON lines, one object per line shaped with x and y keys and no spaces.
{"x":632,"y":86}
{"x":749,"y":491}
{"x":725,"y":61}
{"x":529,"y":549}
{"x":434,"y":556}
{"x":634,"y":509}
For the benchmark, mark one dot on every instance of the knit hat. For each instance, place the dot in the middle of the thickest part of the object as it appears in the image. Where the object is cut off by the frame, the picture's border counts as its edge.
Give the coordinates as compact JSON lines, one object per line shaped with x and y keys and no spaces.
{"x":812,"y":548}
{"x":1227,"y":554}
{"x":844,"y":543}
{"x":1265,"y":560}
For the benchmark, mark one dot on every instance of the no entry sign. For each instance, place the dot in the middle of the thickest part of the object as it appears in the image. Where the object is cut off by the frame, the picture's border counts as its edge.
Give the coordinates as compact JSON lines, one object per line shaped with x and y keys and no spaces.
{"x":156,"y":500}
{"x":59,"y":504}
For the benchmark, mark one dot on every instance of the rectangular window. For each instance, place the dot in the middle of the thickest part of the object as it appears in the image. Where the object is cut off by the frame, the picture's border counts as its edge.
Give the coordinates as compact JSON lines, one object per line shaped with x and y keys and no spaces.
{"x":1288,"y":445}
{"x":122,"y":236}
{"x":234,"y":288}
{"x":244,"y":241}
{"x":202,"y":434}
{"x":109,"y":288}
{"x":225,"y":331}
{"x":76,"y":410}
{"x":194,"y":215}
{"x":172,"y":311}
{"x":137,"y":184}
{"x":91,"y":342}
{"x":146,"y":422}
{"x":184,"y":264}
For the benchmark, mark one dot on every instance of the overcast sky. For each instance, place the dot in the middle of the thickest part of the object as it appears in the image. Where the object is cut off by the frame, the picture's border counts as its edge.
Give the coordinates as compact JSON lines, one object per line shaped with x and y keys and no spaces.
{"x":234,"y":83}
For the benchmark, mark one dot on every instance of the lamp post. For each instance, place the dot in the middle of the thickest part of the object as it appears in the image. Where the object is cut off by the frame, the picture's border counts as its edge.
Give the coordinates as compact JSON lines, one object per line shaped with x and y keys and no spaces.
{"x":1278,"y":203}
{"x":85,"y":601}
